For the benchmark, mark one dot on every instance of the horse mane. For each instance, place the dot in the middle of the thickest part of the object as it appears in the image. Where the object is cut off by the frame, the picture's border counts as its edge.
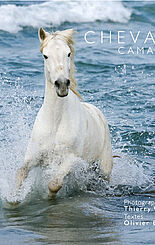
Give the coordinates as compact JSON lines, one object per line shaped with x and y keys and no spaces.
{"x":67,"y":37}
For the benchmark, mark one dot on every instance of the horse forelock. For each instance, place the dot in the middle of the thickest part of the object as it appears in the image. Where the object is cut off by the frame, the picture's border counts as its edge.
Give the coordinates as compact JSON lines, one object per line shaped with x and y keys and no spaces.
{"x":68,"y":39}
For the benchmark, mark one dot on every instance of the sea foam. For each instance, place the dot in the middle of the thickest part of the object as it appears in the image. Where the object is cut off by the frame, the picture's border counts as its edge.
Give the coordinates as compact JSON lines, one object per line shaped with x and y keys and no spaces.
{"x":13,"y":18}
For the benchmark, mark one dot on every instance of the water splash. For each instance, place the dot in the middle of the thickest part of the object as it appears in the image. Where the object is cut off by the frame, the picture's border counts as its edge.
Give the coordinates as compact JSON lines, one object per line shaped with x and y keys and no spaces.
{"x":128,"y":177}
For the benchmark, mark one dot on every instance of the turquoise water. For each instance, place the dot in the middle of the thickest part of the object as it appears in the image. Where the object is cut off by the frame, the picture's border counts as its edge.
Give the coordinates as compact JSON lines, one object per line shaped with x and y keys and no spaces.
{"x":87,"y":210}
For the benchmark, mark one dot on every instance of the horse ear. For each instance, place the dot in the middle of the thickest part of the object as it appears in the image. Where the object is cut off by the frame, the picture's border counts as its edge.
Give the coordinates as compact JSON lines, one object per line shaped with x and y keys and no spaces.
{"x":68,"y":33}
{"x":42,"y":34}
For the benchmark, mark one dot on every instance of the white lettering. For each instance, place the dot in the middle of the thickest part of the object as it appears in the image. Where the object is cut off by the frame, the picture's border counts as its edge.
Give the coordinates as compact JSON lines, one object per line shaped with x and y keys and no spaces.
{"x":108,"y":37}
{"x":149,"y":38}
{"x":120,"y":37}
{"x":134,"y":39}
{"x":85,"y":37}
{"x":119,"y":50}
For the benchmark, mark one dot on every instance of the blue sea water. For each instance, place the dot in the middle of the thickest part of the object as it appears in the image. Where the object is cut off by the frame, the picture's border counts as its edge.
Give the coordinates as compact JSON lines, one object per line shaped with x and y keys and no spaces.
{"x":87,"y":210}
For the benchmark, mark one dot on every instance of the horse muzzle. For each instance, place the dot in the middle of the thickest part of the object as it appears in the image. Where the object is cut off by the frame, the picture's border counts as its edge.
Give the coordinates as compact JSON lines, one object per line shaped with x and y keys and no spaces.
{"x":62,"y":87}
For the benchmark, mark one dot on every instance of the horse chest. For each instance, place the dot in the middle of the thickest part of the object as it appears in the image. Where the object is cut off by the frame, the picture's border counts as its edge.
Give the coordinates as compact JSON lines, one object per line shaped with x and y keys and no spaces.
{"x":53,"y":142}
{"x":57,"y":135}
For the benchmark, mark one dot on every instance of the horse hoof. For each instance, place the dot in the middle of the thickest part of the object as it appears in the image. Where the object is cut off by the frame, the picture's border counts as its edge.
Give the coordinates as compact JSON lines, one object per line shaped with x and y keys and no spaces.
{"x":11,"y":204}
{"x":54,"y":187}
{"x":51,"y":195}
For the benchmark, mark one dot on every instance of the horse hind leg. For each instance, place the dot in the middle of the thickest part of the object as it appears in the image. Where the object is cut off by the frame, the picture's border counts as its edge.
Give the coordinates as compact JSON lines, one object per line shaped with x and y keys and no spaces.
{"x":106,"y":164}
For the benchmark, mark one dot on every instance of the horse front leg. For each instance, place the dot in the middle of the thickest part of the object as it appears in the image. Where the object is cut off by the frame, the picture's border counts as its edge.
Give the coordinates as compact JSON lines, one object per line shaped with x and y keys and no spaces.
{"x":65,"y":167}
{"x":22,"y":174}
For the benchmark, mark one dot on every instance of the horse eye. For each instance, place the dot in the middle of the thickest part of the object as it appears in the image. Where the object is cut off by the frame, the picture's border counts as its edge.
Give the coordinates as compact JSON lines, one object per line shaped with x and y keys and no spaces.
{"x":46,"y":57}
{"x":69,"y":54}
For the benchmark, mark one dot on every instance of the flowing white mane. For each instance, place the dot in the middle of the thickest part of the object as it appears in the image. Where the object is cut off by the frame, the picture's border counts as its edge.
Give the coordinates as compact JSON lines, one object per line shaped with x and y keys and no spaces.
{"x":67,"y":37}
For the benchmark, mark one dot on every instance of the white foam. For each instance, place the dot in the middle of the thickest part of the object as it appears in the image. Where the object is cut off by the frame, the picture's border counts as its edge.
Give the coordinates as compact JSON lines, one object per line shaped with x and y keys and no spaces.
{"x":13,"y":18}
{"x":127,"y":171}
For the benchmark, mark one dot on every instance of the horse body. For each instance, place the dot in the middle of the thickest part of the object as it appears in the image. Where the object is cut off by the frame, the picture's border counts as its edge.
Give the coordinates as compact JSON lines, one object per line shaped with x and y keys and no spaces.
{"x":66,"y":129}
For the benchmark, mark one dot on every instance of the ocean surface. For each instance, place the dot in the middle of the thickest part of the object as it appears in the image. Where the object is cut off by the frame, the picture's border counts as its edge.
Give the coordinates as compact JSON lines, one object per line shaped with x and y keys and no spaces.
{"x":87,"y":210}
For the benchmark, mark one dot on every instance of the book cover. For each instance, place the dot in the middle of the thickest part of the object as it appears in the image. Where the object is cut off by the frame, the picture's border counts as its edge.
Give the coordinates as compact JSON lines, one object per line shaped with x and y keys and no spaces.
{"x":77,"y":122}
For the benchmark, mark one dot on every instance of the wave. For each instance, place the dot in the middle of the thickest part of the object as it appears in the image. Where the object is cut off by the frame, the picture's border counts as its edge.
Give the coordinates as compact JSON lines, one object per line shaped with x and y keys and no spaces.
{"x":13,"y":18}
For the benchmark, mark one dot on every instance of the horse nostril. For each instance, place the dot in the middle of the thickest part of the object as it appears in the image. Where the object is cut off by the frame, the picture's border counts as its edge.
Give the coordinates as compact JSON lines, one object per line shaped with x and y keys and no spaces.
{"x":57,"y":84}
{"x":68,"y":82}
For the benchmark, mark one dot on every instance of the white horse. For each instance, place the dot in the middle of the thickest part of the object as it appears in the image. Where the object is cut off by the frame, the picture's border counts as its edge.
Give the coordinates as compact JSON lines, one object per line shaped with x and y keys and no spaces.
{"x":65,"y":128}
